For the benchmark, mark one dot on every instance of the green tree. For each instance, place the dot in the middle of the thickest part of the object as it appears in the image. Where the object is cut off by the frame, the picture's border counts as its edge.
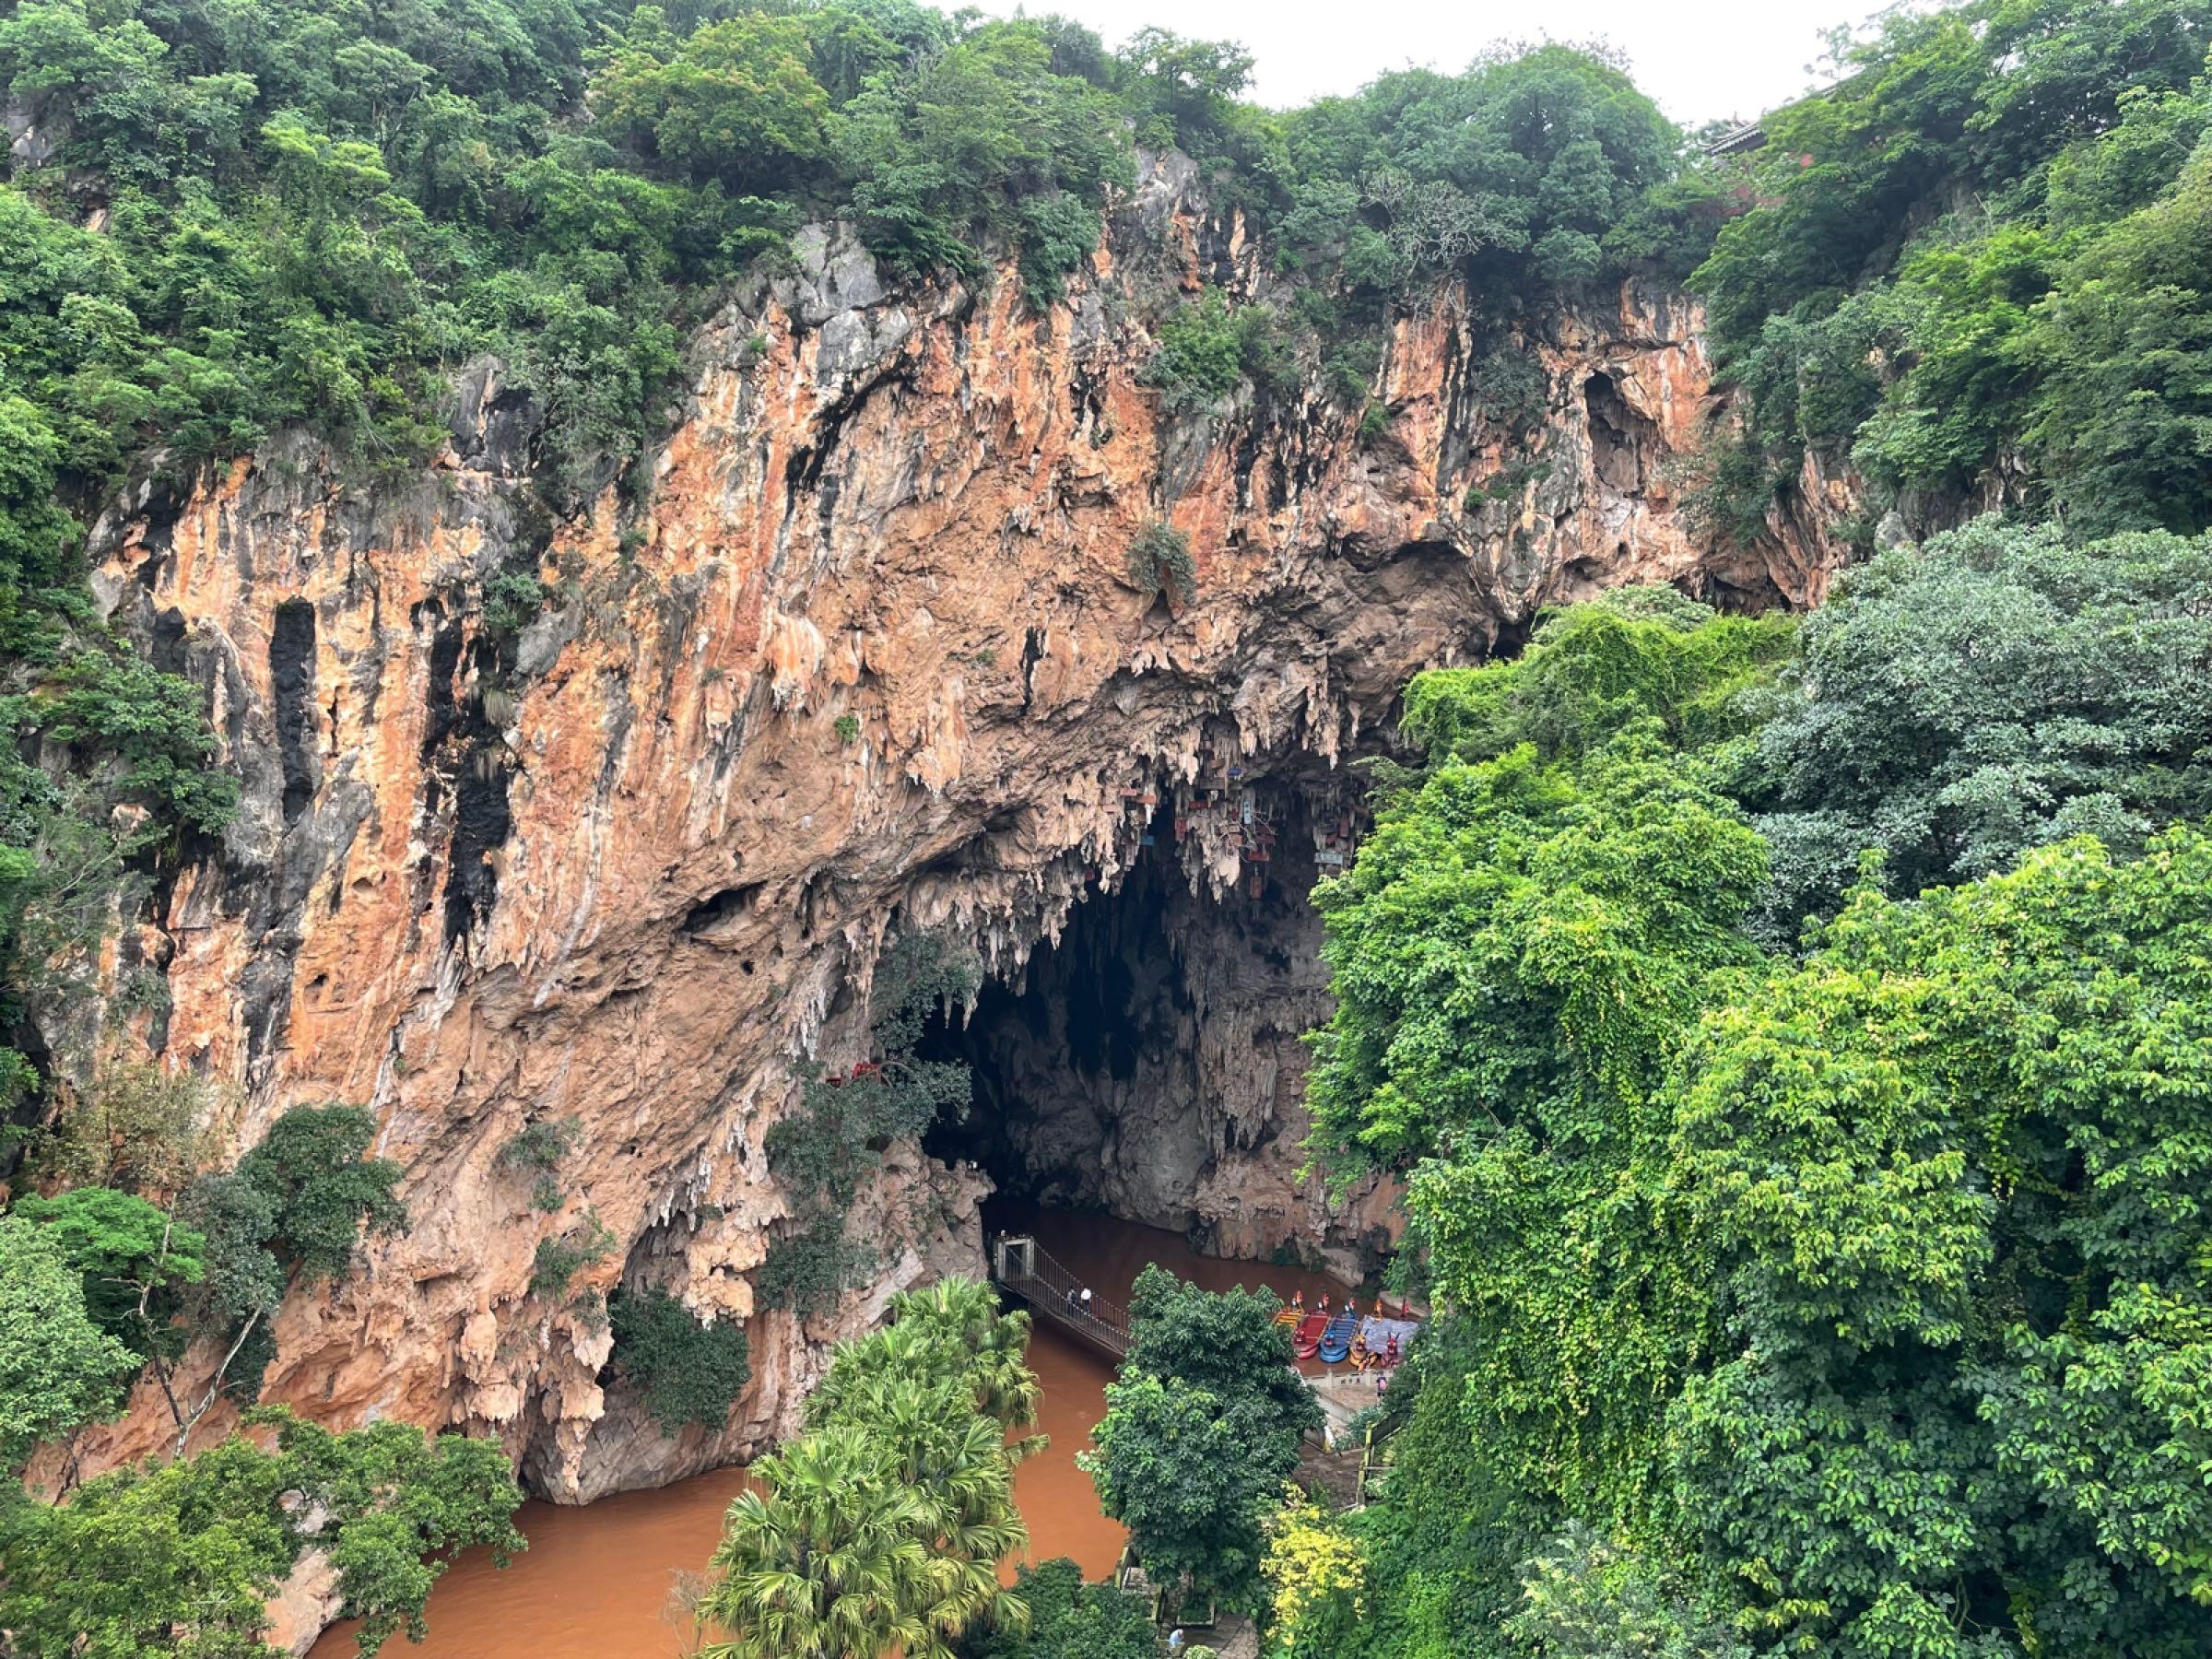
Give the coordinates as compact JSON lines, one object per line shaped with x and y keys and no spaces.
{"x":1586,"y":1598}
{"x":955,"y":1465}
{"x":134,"y":1258}
{"x":884,"y":1525}
{"x":1225,"y":1342}
{"x":292,"y":1210}
{"x":1972,"y":265}
{"x":58,"y":1370}
{"x":822,"y":1562}
{"x":1995,"y":690}
{"x":181,"y":1557}
{"x":735,"y":101}
{"x":323,"y":1189}
{"x":1201,"y":1430}
{"x":1939,"y":1172}
{"x":1192,"y":1475}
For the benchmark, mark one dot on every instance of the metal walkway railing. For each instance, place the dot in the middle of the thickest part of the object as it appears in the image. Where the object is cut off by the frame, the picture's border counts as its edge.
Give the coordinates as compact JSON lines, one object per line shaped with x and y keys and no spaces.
{"x":1020,"y":1267}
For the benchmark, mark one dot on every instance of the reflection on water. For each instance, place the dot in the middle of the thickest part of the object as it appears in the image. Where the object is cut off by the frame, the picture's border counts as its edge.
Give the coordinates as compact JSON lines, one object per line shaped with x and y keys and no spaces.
{"x":595,"y":1580}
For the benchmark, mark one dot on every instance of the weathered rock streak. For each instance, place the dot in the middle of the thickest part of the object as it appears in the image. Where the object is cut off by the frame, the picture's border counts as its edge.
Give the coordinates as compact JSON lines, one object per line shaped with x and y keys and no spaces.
{"x":865,"y":648}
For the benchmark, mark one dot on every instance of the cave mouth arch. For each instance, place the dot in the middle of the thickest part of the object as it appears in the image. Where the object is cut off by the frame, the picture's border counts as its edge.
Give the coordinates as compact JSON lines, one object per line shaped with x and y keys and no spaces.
{"x":1150,"y":1063}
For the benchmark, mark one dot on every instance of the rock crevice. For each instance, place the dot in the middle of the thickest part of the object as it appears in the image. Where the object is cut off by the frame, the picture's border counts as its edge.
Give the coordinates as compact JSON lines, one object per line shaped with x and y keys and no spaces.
{"x":867,"y":649}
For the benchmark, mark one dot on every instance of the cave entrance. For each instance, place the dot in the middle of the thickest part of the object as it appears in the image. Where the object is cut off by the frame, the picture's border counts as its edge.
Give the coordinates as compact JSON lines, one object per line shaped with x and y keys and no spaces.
{"x":1150,"y":1064}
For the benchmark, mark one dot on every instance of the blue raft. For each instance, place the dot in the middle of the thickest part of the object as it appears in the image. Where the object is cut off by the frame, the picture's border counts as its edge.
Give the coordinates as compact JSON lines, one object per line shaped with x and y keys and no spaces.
{"x":1337,"y":1341}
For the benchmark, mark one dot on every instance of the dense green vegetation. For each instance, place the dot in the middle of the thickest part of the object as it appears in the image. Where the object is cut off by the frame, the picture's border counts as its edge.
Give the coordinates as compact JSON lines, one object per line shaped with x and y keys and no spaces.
{"x":116,"y":1279}
{"x":1995,"y":690}
{"x":1837,"y":1287}
{"x":1070,"y":1619}
{"x":1979,"y":259}
{"x":883,"y":1525}
{"x":689,"y":1371}
{"x":1201,"y":1431}
{"x":112,"y":1280}
{"x":181,"y":1557}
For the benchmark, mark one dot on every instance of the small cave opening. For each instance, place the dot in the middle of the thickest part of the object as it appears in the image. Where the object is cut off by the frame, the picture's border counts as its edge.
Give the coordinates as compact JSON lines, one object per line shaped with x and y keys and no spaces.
{"x":1150,"y":1063}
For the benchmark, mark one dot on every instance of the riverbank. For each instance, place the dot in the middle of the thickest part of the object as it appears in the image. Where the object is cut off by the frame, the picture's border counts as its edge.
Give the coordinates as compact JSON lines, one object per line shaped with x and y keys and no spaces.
{"x":596,"y":1581}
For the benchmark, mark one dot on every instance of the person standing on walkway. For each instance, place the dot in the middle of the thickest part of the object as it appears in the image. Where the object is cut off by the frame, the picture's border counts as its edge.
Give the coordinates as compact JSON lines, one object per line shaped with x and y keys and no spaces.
{"x":1175,"y":1644}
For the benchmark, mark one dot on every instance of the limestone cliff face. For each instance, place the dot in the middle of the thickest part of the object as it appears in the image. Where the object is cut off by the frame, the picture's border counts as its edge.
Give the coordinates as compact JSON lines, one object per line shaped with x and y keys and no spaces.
{"x":866,"y":652}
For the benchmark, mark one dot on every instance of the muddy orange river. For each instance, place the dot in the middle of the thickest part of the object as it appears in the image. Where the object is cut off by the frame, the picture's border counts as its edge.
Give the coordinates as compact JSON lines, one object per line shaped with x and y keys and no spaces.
{"x":595,"y":1582}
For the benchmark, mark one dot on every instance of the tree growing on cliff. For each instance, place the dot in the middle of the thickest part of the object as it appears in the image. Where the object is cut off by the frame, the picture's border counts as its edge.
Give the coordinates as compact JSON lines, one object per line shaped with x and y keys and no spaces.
{"x":181,"y":1558}
{"x":292,"y":1211}
{"x":58,"y":1370}
{"x":136,"y":1261}
{"x":689,"y":1371}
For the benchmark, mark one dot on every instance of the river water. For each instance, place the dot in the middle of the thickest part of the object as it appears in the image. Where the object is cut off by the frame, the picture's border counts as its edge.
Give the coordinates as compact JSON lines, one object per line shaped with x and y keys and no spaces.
{"x":595,"y":1582}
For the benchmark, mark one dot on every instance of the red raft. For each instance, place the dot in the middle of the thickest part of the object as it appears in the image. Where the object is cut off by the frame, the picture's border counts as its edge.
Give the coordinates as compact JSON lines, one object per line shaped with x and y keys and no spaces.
{"x":1306,"y":1339}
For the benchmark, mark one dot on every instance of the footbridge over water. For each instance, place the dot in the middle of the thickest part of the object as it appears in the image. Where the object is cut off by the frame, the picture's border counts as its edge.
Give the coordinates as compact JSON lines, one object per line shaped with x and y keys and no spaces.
{"x":1020,"y":1268}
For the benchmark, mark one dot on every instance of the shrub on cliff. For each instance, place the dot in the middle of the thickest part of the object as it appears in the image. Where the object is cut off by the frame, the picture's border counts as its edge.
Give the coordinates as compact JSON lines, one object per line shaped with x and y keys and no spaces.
{"x":558,"y":1260}
{"x":181,"y":1558}
{"x":1200,"y":358}
{"x":538,"y":1150}
{"x":689,"y":1371}
{"x":826,"y":1148}
{"x":1160,"y":562}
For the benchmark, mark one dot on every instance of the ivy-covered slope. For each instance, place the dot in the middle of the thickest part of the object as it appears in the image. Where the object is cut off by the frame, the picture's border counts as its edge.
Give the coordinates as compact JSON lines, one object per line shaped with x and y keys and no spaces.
{"x":1976,"y":270}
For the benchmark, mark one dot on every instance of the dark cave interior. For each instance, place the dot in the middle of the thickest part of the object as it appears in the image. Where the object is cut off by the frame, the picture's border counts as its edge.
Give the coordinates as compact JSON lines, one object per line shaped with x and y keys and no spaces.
{"x":1159,"y":1034}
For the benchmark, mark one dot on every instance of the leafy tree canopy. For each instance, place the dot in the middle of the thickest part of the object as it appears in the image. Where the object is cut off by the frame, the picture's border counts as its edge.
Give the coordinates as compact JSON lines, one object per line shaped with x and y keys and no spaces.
{"x":134,"y":1258}
{"x":58,"y":1369}
{"x":1996,"y":689}
{"x":181,"y":1557}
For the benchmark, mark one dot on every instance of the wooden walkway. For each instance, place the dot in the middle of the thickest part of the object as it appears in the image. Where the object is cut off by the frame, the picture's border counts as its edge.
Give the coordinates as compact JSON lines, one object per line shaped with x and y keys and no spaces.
{"x":1020,"y":1267}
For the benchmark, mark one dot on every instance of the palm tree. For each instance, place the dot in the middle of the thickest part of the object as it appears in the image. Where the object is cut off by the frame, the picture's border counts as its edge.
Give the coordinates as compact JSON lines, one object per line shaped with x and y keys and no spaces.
{"x":990,"y":1348}
{"x":884,"y":1527}
{"x":955,"y":1464}
{"x":827,"y":1562}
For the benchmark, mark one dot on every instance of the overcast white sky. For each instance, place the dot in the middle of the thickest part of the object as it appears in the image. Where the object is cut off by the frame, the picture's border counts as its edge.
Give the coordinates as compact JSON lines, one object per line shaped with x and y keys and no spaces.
{"x":1698,"y":58}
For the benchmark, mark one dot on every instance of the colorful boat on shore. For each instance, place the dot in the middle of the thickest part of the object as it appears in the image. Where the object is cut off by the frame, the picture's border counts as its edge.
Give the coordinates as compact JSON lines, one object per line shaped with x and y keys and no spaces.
{"x":1336,"y":1340}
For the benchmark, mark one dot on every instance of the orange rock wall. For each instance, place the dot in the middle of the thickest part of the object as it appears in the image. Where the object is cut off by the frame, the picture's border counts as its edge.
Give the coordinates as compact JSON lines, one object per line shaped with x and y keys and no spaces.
{"x":629,"y":867}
